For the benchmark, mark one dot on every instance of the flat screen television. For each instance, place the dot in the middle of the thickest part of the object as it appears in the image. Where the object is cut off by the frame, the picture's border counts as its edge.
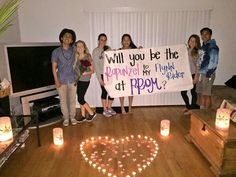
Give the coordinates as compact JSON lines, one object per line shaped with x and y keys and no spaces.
{"x":29,"y":67}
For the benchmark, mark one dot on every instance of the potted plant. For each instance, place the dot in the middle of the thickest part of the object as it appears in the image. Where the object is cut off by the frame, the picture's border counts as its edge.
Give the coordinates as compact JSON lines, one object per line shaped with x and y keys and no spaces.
{"x":7,"y":9}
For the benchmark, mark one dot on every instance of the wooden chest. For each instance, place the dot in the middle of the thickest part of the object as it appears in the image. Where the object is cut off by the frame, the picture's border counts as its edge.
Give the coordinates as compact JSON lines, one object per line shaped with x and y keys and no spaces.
{"x":217,"y":146}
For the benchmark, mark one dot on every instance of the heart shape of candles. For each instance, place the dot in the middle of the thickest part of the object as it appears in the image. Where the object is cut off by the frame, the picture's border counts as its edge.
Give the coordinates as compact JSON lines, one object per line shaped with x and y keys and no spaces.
{"x":123,"y":157}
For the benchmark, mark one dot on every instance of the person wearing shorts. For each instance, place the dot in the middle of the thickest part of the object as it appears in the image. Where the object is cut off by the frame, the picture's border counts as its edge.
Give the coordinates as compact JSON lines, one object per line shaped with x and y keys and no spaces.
{"x":207,"y":67}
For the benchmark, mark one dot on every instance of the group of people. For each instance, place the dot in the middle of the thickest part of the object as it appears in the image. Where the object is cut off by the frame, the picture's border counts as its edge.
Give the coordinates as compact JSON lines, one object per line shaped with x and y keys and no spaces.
{"x":73,"y":65}
{"x":203,"y":63}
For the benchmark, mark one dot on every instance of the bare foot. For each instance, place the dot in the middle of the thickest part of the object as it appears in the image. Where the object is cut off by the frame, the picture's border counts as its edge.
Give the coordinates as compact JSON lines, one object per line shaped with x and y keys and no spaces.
{"x":130,"y":111}
{"x":187,"y":112}
{"x":123,"y":111}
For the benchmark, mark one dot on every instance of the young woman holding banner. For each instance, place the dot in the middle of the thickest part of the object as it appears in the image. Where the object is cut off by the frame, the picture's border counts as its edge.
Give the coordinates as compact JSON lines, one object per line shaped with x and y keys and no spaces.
{"x":127,"y":43}
{"x":194,"y":46}
{"x":98,"y":64}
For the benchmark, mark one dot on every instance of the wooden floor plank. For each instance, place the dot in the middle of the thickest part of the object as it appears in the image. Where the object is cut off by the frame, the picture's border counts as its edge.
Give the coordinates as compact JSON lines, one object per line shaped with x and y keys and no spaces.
{"x":176,"y":157}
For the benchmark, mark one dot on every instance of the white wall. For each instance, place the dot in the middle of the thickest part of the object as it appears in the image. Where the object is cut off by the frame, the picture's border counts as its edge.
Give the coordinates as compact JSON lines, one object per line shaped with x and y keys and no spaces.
{"x":41,"y":21}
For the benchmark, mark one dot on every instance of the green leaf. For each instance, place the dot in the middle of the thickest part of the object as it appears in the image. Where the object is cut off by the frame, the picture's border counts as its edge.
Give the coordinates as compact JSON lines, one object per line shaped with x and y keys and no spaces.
{"x":7,"y":9}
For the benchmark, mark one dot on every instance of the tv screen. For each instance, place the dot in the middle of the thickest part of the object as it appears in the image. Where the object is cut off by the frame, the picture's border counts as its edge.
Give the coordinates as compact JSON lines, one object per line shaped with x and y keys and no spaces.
{"x":30,"y":67}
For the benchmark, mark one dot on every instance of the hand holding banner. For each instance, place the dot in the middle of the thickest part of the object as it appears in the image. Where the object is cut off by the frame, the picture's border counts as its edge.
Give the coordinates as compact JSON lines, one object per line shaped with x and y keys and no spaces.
{"x":147,"y":71}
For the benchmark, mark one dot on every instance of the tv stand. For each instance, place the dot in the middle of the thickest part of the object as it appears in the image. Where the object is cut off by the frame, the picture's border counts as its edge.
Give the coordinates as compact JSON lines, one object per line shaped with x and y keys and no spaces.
{"x":25,"y":100}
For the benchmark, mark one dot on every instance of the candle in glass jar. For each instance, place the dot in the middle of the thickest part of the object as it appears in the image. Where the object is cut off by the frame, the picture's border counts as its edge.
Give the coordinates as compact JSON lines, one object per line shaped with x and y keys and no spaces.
{"x":58,"y":136}
{"x":222,"y":118}
{"x":165,"y":127}
{"x":5,"y":129}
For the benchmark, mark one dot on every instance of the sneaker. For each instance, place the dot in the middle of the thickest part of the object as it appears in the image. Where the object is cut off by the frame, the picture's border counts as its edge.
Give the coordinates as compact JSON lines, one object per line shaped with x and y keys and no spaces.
{"x":66,"y":122}
{"x":74,"y":121}
{"x":81,"y":119}
{"x":111,"y":111}
{"x":91,"y":117}
{"x":106,"y":113}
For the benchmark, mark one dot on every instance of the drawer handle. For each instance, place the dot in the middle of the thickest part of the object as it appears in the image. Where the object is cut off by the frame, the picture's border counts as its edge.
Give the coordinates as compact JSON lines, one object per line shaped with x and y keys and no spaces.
{"x":204,"y":127}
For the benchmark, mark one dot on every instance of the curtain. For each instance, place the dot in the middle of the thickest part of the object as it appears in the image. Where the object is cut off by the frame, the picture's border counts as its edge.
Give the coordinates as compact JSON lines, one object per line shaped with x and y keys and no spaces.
{"x":147,"y":29}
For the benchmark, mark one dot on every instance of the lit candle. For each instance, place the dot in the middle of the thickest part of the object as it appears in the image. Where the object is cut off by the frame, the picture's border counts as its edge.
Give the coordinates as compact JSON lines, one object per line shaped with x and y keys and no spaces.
{"x":5,"y":129}
{"x":140,"y":169}
{"x":222,"y":118}
{"x":165,"y":127}
{"x":104,"y":171}
{"x":58,"y":136}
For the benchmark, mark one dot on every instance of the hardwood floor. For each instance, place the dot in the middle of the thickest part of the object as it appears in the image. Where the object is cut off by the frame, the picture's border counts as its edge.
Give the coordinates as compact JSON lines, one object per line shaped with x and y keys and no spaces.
{"x":176,"y":157}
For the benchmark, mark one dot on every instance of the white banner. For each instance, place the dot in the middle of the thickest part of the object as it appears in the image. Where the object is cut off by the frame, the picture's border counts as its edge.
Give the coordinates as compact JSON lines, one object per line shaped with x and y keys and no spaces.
{"x":147,"y":71}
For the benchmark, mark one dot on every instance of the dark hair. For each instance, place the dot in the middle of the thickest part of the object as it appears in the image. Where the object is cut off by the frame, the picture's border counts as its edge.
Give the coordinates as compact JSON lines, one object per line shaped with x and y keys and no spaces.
{"x":206,"y":29}
{"x":64,"y":31}
{"x":103,"y":35}
{"x":132,"y":45}
{"x":194,"y":52}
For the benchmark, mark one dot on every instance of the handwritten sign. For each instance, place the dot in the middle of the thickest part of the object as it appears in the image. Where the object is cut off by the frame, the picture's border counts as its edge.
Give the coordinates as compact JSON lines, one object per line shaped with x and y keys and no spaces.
{"x":147,"y":71}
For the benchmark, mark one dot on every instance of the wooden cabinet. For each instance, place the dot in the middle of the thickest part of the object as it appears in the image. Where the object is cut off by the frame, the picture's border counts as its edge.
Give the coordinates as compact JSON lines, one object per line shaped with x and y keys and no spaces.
{"x":218,"y":146}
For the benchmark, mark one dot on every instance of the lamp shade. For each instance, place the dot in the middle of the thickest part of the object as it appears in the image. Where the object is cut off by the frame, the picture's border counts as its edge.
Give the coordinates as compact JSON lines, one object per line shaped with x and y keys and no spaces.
{"x":5,"y":129}
{"x":165,"y":127}
{"x":58,"y":136}
{"x":222,"y":118}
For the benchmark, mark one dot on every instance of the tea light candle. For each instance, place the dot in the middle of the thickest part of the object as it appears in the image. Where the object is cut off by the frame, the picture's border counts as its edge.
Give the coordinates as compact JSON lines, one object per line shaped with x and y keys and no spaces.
{"x":104,"y":171}
{"x":5,"y":129}
{"x":222,"y":118}
{"x":165,"y":127}
{"x":58,"y":136}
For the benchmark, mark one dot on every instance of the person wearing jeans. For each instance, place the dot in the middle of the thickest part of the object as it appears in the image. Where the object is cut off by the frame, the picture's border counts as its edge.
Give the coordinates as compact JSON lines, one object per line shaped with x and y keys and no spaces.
{"x":64,"y":76}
